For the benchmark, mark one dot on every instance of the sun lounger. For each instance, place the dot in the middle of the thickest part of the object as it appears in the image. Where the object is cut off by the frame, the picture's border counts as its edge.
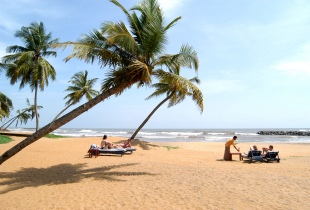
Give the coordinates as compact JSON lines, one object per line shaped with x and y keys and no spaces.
{"x":272,"y":156}
{"x":116,"y":151}
{"x":130,"y":149}
{"x":95,"y":150}
{"x":254,"y":155}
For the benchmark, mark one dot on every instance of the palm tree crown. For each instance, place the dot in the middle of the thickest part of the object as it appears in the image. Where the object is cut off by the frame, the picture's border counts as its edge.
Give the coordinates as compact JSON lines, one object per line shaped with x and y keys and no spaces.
{"x":133,"y":54}
{"x":81,"y":86}
{"x":28,"y":63}
{"x":6,"y":106}
{"x":177,"y":88}
{"x":23,"y":116}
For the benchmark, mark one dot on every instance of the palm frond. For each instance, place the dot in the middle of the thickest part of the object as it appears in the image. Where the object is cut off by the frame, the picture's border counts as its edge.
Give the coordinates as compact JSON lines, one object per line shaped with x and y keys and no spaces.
{"x":80,"y":86}
{"x":6,"y":105}
{"x":182,"y":87}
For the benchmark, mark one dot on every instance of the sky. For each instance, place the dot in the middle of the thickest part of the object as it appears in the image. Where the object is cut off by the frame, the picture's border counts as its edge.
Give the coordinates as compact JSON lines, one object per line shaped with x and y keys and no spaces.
{"x":254,"y":62}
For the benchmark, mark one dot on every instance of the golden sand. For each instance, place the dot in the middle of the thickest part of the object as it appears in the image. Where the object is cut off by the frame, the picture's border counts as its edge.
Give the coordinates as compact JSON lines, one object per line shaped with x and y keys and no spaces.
{"x":58,"y":174}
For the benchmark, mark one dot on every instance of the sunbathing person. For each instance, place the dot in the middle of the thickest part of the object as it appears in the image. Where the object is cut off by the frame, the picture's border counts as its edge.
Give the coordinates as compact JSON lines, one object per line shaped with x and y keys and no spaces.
{"x":265,"y":149}
{"x":106,"y":144}
{"x":126,"y":144}
{"x":249,"y":153}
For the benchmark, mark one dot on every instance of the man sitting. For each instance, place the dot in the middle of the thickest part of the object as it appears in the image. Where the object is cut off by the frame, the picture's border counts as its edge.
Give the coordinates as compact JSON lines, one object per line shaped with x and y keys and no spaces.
{"x":106,"y":144}
{"x":265,"y":149}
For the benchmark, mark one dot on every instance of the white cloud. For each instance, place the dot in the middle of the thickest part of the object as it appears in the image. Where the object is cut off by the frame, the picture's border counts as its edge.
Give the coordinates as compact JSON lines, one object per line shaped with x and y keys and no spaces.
{"x":2,"y":50}
{"x":170,"y":5}
{"x":298,"y":63}
{"x":294,"y":67}
{"x":9,"y":21}
{"x":227,"y":72}
{"x":221,"y":86}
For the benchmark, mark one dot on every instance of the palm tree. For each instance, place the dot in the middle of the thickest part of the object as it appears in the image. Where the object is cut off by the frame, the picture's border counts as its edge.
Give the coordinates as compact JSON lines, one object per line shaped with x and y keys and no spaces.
{"x":133,"y":57}
{"x":176,"y":89}
{"x":28,"y":64}
{"x":80,"y":87}
{"x":6,"y":106}
{"x":24,"y":115}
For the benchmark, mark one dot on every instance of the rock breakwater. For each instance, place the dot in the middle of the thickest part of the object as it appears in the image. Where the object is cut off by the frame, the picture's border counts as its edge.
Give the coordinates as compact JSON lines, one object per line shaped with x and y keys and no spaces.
{"x":288,"y":133}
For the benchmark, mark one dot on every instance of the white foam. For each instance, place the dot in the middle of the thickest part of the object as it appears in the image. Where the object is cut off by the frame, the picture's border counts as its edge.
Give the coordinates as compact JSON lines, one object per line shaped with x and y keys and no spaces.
{"x":247,"y":134}
{"x":85,"y":131}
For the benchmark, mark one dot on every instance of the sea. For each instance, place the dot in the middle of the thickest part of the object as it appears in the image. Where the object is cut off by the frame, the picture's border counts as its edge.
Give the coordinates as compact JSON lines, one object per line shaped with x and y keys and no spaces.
{"x":183,"y":135}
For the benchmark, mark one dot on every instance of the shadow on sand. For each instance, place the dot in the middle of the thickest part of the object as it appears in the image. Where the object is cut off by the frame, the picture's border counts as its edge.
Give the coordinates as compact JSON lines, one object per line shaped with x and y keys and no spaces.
{"x":136,"y":142}
{"x":62,"y":174}
{"x":226,"y":160}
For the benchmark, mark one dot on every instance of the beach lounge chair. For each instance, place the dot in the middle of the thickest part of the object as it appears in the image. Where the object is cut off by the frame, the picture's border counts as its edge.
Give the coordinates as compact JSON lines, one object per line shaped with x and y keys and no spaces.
{"x":253,"y":155}
{"x":272,"y":156}
{"x":129,"y":149}
{"x":95,"y":150}
{"x":116,"y":151}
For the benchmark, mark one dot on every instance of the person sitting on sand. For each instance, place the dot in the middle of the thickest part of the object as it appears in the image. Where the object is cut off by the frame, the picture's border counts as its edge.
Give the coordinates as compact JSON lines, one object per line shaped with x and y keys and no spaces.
{"x":249,"y":153}
{"x":126,"y":144}
{"x":106,"y":144}
{"x":265,"y":149}
{"x":227,"y":147}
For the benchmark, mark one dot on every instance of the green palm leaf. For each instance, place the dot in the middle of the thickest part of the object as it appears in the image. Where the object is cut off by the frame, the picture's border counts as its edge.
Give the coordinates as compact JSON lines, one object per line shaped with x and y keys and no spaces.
{"x":6,"y":106}
{"x":27,"y":64}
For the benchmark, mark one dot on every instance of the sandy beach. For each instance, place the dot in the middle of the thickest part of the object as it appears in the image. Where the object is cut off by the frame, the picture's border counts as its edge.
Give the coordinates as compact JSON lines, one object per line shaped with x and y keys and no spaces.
{"x":58,"y":174}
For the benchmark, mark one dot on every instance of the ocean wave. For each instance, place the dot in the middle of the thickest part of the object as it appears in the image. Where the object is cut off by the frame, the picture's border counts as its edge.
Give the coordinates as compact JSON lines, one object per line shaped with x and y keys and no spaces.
{"x":217,"y":133}
{"x":174,"y":133}
{"x":146,"y":133}
{"x":158,"y":137}
{"x":247,"y":134}
{"x":214,"y":139}
{"x":170,"y":135}
{"x":114,"y":132}
{"x":86,"y":131}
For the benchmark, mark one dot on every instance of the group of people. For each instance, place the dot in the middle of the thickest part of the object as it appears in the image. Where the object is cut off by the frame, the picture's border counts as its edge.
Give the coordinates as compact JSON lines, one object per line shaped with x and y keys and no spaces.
{"x":231,"y":142}
{"x":105,"y":144}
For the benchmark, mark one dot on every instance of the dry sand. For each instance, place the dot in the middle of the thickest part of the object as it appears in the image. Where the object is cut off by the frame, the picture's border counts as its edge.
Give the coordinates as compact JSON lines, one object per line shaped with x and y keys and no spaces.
{"x":58,"y":174}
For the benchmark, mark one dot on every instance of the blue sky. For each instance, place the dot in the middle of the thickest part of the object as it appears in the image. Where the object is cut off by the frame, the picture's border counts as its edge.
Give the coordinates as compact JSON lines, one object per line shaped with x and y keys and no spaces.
{"x":254,"y":62}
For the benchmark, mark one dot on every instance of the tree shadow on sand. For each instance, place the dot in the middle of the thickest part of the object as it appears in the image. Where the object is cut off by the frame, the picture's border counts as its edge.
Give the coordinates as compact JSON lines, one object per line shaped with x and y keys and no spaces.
{"x":136,"y":142}
{"x":62,"y":174}
{"x":226,"y":160}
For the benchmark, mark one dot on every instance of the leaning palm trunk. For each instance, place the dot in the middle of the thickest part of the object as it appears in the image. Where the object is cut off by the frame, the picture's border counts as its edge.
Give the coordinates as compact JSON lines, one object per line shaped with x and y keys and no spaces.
{"x":10,"y":122}
{"x":62,"y":111}
{"x":63,"y":120}
{"x":150,"y":115}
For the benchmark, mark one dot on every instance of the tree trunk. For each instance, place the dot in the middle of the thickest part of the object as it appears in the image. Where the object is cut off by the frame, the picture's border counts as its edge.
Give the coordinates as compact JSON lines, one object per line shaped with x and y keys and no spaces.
{"x":150,"y":115}
{"x":63,"y":120}
{"x":35,"y":106}
{"x":11,"y":120}
{"x":59,"y":114}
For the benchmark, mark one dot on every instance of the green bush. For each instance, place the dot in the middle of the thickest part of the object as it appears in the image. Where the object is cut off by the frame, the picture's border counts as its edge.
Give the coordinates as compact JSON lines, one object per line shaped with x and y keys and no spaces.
{"x":5,"y":139}
{"x":53,"y":136}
